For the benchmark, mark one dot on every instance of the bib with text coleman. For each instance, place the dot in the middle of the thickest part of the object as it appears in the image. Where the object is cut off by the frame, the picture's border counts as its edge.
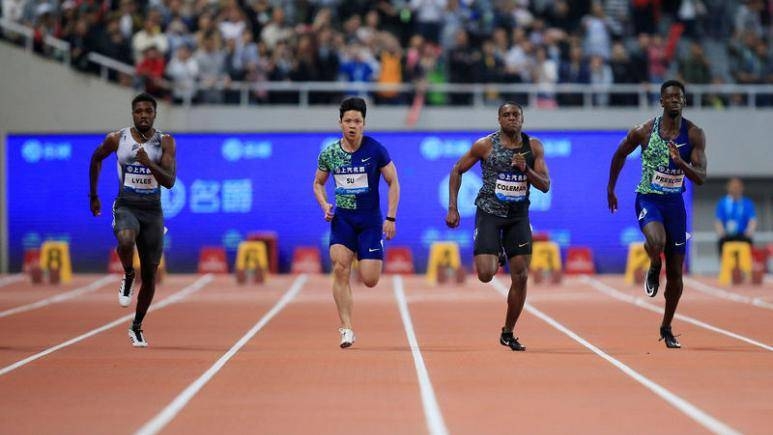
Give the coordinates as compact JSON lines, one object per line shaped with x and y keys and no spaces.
{"x":351,"y":180}
{"x":139,"y":179}
{"x":511,"y":187}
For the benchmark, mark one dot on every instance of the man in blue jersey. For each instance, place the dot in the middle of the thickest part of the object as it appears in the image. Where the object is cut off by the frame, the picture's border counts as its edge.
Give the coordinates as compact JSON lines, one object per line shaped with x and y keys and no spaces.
{"x":146,"y":161}
{"x":511,"y":163}
{"x":357,"y":163}
{"x":736,"y":218}
{"x":672,"y":148}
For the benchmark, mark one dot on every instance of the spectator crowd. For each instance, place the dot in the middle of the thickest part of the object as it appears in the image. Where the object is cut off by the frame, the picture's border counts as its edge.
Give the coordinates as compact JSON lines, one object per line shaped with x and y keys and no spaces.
{"x":195,"y":51}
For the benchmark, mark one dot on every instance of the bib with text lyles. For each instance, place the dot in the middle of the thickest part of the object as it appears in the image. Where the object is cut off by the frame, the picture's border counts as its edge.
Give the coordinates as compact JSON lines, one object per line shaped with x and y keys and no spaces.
{"x":351,"y":180}
{"x":667,"y":180}
{"x":511,"y":187}
{"x":140,"y":179}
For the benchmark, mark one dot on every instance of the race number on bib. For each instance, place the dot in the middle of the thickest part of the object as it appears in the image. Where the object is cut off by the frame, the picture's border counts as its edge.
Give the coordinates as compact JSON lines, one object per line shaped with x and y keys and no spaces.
{"x":511,"y":187}
{"x":668,"y":181}
{"x":351,"y":184}
{"x":139,"y":179}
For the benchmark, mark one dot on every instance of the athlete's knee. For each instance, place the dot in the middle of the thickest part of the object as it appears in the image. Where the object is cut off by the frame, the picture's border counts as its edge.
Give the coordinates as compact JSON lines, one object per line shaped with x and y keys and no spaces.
{"x":520,"y":277}
{"x":370,"y":281}
{"x":148,"y":273}
{"x":341,"y":269}
{"x":485,"y":275}
{"x":125,"y":243}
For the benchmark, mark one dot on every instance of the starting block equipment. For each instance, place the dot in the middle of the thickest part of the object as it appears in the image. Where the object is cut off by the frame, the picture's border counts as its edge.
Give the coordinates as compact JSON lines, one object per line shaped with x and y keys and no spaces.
{"x":637,"y":263}
{"x":212,"y":260}
{"x":579,"y":261}
{"x":251,"y":262}
{"x":399,"y":259}
{"x":759,"y":265}
{"x":443,"y":256}
{"x":55,"y":261}
{"x":545,"y":261}
{"x":306,"y":259}
{"x":736,"y":263}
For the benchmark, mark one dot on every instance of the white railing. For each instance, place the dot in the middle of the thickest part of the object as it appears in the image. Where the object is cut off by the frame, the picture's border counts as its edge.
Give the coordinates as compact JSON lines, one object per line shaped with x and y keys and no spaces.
{"x":60,"y":47}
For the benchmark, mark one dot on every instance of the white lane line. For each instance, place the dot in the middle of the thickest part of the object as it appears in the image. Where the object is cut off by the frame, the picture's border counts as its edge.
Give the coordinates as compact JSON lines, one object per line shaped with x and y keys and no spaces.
{"x":724,"y":294}
{"x":692,"y":411}
{"x":176,"y":297}
{"x":60,"y":297}
{"x":614,"y":293}
{"x":434,"y":417}
{"x":168,"y":414}
{"x":10,"y":279}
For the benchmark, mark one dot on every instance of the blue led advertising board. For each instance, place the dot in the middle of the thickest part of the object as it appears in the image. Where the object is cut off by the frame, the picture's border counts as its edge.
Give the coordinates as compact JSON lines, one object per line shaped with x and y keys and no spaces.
{"x":230,"y":185}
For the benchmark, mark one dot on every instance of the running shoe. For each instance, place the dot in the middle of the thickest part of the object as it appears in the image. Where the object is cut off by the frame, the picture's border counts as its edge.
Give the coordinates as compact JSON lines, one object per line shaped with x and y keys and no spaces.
{"x":507,"y":339}
{"x":347,"y":337}
{"x":652,"y":282}
{"x":126,"y":290}
{"x":668,"y":336}
{"x":137,"y":337}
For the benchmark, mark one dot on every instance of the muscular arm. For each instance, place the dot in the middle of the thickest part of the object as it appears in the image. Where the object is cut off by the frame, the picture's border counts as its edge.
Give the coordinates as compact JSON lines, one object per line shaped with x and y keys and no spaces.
{"x":477,"y":152}
{"x":107,"y":147}
{"x":320,"y":178}
{"x":634,"y":137}
{"x":538,"y":176}
{"x":696,"y":169}
{"x":165,"y":171}
{"x":389,"y":172}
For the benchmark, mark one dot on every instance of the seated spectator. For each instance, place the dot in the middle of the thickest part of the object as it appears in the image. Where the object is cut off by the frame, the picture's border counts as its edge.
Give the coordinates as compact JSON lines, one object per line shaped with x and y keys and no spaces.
{"x":736,"y":218}
{"x":150,"y":71}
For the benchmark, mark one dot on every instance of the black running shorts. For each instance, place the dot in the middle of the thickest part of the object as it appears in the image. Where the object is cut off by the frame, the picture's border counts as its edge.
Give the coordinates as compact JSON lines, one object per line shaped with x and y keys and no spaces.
{"x":149,"y":226}
{"x":493,"y":232}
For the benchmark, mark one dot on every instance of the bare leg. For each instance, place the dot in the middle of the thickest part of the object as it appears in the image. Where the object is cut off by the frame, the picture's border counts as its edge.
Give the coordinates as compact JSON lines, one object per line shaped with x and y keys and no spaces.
{"x":516,"y":297}
{"x":370,"y":271}
{"x":655,"y":235}
{"x":342,"y":258}
{"x":487,"y":265}
{"x":147,"y":291}
{"x":674,"y":285}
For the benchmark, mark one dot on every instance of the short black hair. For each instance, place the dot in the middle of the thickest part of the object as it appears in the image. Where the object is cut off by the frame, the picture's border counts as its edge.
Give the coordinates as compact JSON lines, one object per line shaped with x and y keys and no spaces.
{"x":144,"y":97}
{"x":669,"y":83}
{"x":352,"y":103}
{"x":509,"y":103}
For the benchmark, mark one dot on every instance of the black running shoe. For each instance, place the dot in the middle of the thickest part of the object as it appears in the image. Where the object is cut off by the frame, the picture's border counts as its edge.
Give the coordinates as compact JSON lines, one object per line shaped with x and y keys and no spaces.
{"x":507,"y":339}
{"x":652,"y":282}
{"x":668,"y":336}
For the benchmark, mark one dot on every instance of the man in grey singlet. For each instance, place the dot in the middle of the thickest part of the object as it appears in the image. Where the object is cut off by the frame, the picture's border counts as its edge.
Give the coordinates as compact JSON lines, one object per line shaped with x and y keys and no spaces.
{"x":146,"y":161}
{"x":512,"y":162}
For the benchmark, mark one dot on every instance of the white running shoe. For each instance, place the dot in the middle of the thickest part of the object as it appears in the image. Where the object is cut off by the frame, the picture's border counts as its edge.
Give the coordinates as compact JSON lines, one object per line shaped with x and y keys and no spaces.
{"x":137,"y":337}
{"x":125,"y":291}
{"x":347,"y":337}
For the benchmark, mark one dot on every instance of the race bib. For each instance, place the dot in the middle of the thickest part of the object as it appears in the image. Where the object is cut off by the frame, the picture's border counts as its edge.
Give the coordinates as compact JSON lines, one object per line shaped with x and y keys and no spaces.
{"x":351,"y":184}
{"x":139,"y":179}
{"x":668,"y":180}
{"x":511,"y":187}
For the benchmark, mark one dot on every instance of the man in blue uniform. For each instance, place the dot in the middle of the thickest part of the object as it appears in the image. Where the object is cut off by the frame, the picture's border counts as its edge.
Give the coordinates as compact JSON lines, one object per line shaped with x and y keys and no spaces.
{"x":357,"y":163}
{"x":146,"y":161}
{"x":672,"y":148}
{"x":736,"y":218}
{"x":512,"y":162}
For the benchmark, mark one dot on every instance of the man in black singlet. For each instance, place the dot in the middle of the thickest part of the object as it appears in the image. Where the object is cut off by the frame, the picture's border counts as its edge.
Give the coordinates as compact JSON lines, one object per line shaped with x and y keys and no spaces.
{"x":512,"y":162}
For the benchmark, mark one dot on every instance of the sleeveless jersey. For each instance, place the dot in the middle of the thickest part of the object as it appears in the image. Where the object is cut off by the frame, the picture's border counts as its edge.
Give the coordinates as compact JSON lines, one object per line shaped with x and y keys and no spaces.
{"x":138,"y":186}
{"x":356,"y":174}
{"x":659,"y":174}
{"x":505,"y":190}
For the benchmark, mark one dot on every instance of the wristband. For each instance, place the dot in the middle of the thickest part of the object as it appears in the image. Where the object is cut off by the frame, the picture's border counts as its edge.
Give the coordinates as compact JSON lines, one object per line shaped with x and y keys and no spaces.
{"x":390,"y":219}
